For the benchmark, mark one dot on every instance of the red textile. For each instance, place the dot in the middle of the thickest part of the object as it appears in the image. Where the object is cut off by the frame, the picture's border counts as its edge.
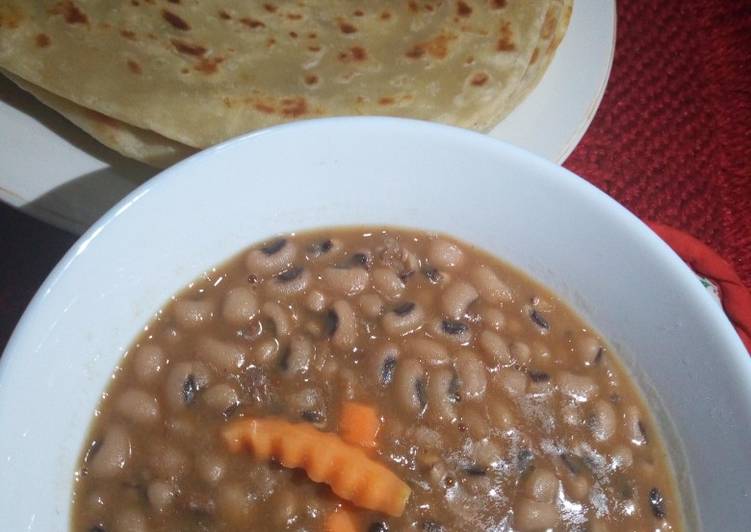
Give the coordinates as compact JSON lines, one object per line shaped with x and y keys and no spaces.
{"x":672,"y":138}
{"x":736,"y":299}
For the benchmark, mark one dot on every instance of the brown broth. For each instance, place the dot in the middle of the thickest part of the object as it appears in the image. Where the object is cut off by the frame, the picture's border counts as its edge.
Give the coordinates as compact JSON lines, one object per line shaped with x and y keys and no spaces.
{"x":500,"y":408}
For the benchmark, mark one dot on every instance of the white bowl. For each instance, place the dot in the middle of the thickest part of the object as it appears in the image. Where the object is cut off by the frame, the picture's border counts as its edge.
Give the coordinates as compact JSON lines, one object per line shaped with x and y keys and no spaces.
{"x":538,"y":216}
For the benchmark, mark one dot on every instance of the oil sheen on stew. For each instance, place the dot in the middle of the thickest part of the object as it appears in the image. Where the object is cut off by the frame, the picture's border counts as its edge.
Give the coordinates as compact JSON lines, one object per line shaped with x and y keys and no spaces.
{"x":371,"y":379}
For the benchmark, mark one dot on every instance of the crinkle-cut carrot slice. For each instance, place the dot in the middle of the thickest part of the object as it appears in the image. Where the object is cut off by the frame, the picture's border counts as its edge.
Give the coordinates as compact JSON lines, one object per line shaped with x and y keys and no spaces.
{"x":326,"y":457}
{"x":342,"y":520}
{"x":359,"y":424}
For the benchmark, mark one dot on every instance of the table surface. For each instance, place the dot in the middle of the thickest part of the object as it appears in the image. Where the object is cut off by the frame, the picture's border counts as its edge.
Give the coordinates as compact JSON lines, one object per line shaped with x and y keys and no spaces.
{"x":671,"y":140}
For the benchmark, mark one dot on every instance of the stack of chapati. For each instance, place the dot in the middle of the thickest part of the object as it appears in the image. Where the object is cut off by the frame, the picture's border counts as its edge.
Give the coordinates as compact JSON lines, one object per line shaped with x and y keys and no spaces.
{"x":158,"y":79}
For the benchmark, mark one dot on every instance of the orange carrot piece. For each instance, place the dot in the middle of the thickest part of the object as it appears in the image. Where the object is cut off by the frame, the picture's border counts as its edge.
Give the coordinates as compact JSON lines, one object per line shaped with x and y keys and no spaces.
{"x":359,"y":424}
{"x":341,"y":521}
{"x":326,"y":457}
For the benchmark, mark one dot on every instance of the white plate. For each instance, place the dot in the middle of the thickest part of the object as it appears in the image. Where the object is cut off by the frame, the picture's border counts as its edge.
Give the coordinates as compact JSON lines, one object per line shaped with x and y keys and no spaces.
{"x":55,"y":172}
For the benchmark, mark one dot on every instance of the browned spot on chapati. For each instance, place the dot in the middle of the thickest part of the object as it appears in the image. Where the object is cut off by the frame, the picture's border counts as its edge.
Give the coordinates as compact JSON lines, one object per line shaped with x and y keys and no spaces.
{"x":346,"y":27}
{"x":134,"y":67}
{"x":224,"y":15}
{"x":135,"y":3}
{"x":479,"y":79}
{"x":535,"y":56}
{"x":10,"y":17}
{"x":463,"y":9}
{"x":548,"y":27}
{"x":505,"y":42}
{"x":386,"y":100}
{"x":271,"y":8}
{"x":188,"y":48}
{"x":413,"y":6}
{"x":314,"y":48}
{"x":294,"y":16}
{"x":264,"y":108}
{"x":359,"y":13}
{"x":70,"y":12}
{"x":43,"y":40}
{"x":270,"y":42}
{"x":356,"y":54}
{"x":293,"y":34}
{"x":385,"y":15}
{"x":252,"y":23}
{"x":175,"y":20}
{"x":208,"y":65}
{"x":311,"y":79}
{"x":437,"y":47}
{"x":131,"y":35}
{"x":294,"y":107}
{"x":497,"y":4}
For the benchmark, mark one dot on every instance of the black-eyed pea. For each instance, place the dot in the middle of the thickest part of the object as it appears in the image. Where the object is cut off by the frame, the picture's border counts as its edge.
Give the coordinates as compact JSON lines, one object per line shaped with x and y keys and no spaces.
{"x":473,"y":379}
{"x":454,"y":331}
{"x":224,"y":356}
{"x":211,"y":468}
{"x":602,"y":420}
{"x":192,"y":314}
{"x":577,"y":487}
{"x":512,"y":381}
{"x":298,"y":357}
{"x":621,"y":457}
{"x":445,"y":255}
{"x":382,"y":363}
{"x":492,"y":317}
{"x":456,"y":299}
{"x":240,"y":306}
{"x":167,"y":461}
{"x":403,"y":319}
{"x":111,"y":455}
{"x":490,"y":287}
{"x":588,"y":349}
{"x":294,"y":280}
{"x":271,"y":258}
{"x":541,"y":485}
{"x":534,"y":515}
{"x":285,"y":509}
{"x":344,"y":334}
{"x":371,"y":305}
{"x":411,"y":386}
{"x":388,"y":283}
{"x":221,"y":398}
{"x":348,"y":281}
{"x":184,"y":382}
{"x":635,"y":429}
{"x":149,"y":360}
{"x":279,"y":317}
{"x":501,"y":415}
{"x":315,"y":301}
{"x":475,"y":421}
{"x":580,"y":388}
{"x":138,"y":406}
{"x":160,"y":495}
{"x":430,"y":352}
{"x":441,"y":397}
{"x":130,"y":519}
{"x":520,"y":353}
{"x":496,"y":347}
{"x":235,"y":504}
{"x":264,"y":352}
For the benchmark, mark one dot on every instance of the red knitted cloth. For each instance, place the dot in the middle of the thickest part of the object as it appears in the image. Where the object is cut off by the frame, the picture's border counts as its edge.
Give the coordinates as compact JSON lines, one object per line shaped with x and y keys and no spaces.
{"x":672,"y":138}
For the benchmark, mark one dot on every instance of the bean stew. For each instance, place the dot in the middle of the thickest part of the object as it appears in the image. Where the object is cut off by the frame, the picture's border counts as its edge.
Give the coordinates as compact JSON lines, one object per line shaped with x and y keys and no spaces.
{"x":371,"y":379}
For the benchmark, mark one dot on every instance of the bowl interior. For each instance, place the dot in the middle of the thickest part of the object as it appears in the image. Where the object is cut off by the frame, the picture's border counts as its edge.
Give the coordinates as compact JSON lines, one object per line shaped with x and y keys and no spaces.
{"x":535,"y":215}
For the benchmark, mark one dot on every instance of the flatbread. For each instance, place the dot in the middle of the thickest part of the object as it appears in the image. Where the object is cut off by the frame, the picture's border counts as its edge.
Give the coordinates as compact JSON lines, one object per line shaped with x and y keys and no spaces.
{"x":135,"y":143}
{"x":200,"y":72}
